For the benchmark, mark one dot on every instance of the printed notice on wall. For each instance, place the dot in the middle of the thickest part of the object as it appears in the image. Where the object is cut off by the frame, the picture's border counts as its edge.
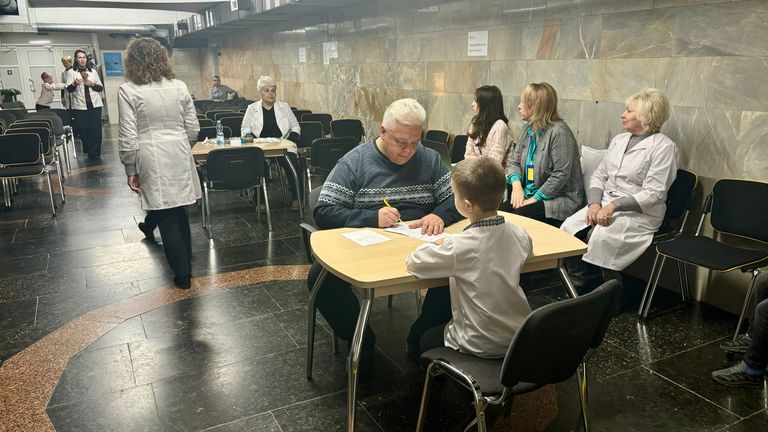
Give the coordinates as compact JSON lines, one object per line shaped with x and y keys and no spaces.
{"x":477,"y":43}
{"x":326,"y":53}
{"x":302,"y":54}
{"x":333,"y":49}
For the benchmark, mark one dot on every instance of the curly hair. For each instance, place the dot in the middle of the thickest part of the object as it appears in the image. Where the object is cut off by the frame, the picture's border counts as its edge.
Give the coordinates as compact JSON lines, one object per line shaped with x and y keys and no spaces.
{"x":146,"y":60}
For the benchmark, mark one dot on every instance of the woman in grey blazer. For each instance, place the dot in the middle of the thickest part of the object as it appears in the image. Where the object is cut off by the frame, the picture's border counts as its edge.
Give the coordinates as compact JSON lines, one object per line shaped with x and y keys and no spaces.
{"x":545,"y":172}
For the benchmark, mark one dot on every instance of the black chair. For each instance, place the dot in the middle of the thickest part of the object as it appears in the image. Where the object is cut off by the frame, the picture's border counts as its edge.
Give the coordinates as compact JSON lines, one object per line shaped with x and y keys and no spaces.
{"x":233,"y":123}
{"x":212,"y":113}
{"x":20,"y":157}
{"x":679,"y":200}
{"x":310,"y":131}
{"x":554,"y":342}
{"x":324,"y":119}
{"x":14,"y":105}
{"x":7,"y":117}
{"x":223,"y":115}
{"x":738,"y":207}
{"x":205,"y":122}
{"x":437,"y":135}
{"x":327,"y":151}
{"x":298,"y":113}
{"x":201,"y":105}
{"x":18,"y":113}
{"x":459,"y":148}
{"x":441,"y":148}
{"x":348,"y":128}
{"x":202,"y":117}
{"x":234,"y":168}
{"x":210,"y":132}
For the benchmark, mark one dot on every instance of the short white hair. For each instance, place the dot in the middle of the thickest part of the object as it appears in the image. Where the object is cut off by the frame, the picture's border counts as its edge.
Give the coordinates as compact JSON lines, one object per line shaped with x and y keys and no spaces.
{"x":652,"y":108}
{"x":265,"y":81}
{"x":404,"y":111}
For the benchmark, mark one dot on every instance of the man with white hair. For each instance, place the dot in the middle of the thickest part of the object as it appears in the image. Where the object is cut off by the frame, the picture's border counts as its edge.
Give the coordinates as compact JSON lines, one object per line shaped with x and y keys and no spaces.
{"x":417,"y":185}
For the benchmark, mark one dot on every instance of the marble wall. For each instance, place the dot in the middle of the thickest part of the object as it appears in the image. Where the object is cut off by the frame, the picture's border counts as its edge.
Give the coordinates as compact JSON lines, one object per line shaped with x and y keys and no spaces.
{"x":709,"y":56}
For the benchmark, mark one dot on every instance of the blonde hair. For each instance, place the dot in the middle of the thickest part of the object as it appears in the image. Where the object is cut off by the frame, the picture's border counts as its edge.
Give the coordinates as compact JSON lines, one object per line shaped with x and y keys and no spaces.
{"x":146,"y":61}
{"x":66,"y":61}
{"x":652,"y":108}
{"x":405,"y":112}
{"x":265,"y":81}
{"x":542,"y":99}
{"x":481,"y":181}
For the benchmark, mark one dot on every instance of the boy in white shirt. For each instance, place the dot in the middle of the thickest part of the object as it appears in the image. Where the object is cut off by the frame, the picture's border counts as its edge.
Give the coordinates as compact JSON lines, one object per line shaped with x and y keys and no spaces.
{"x":483,"y":263}
{"x":46,"y":92}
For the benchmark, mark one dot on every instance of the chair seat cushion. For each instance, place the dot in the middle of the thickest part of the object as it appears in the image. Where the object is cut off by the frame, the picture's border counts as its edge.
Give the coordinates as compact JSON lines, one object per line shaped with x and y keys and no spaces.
{"x":21,"y":171}
{"x":706,"y":252}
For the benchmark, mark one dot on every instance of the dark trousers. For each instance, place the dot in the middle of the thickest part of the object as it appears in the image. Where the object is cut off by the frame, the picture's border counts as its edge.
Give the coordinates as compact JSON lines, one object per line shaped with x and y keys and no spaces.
{"x":296,"y":166}
{"x":757,"y":353}
{"x":39,"y":107}
{"x":435,"y":312}
{"x":340,"y":308}
{"x":432,"y":338}
{"x":151,"y":220}
{"x":532,"y":211}
{"x":177,"y":239}
{"x":88,"y":128}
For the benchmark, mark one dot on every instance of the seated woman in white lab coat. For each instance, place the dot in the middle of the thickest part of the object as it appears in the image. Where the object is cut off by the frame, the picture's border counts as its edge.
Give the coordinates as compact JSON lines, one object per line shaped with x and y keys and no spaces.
{"x":627,"y":192}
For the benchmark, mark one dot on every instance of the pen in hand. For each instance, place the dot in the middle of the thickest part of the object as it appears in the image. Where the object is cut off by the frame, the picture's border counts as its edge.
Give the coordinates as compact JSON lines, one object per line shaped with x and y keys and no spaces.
{"x":387,"y":204}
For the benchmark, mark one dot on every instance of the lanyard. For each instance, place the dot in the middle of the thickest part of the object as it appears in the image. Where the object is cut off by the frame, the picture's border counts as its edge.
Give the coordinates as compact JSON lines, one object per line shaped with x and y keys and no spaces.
{"x":529,"y":162}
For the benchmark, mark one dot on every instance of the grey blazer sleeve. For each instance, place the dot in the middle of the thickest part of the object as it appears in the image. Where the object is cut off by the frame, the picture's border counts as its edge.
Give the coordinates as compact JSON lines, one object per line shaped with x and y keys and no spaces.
{"x":564,"y":153}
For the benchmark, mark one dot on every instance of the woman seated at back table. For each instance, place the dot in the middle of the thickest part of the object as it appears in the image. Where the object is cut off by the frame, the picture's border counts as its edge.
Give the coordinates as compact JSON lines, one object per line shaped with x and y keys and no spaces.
{"x":544,"y":172}
{"x":626,"y":200}
{"x":269,"y":118}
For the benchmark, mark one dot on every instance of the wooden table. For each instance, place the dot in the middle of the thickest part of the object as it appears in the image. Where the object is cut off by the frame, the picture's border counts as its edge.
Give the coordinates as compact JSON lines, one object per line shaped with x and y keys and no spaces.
{"x":379,"y":270}
{"x":271,"y":150}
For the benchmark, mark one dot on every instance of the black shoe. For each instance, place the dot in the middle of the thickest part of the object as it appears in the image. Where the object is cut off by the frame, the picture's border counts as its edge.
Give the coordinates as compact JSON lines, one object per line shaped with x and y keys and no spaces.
{"x":183,"y":282}
{"x":739,"y":345}
{"x":148,"y":233}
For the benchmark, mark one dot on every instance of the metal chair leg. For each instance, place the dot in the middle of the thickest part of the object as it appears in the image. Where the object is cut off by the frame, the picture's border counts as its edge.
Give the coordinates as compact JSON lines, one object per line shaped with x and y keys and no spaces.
{"x":581,"y":374}
{"x":389,"y":301}
{"x":425,"y":397}
{"x":266,"y":204}
{"x":419,"y":301}
{"x":50,"y":192}
{"x":207,"y":211}
{"x":648,"y":285}
{"x":682,"y":272}
{"x":311,"y":319}
{"x":747,"y":301}
{"x":335,"y":343}
{"x":653,"y":287}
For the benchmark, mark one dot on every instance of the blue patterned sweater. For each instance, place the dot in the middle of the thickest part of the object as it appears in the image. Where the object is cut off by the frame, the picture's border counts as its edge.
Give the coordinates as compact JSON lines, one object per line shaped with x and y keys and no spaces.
{"x":360,"y":182}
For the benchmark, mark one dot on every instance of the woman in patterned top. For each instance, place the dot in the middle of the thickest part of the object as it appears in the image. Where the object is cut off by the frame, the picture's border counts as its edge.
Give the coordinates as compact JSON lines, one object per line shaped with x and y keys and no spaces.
{"x":488,"y":130}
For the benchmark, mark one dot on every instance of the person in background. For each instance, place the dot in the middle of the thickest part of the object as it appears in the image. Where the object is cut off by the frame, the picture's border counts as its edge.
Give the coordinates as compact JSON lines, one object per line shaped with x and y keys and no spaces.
{"x":545,"y":172}
{"x":627,"y":193}
{"x":220,"y":92}
{"x":66,"y":61}
{"x":46,"y":92}
{"x":84,"y":85}
{"x":488,"y":132}
{"x":413,"y":179}
{"x":158,"y":124}
{"x":750,"y":371}
{"x":487,"y":305}
{"x":270,"y":118}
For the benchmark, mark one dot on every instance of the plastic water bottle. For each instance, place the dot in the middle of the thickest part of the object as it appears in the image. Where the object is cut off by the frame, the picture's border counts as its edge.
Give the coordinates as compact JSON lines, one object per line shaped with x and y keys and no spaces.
{"x":219,"y":133}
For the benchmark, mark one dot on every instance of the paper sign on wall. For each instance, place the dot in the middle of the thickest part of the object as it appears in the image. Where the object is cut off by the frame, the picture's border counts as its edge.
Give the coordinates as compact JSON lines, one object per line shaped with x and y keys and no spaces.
{"x":326,"y":54}
{"x":477,"y":43}
{"x":302,"y":54}
{"x":333,"y":49}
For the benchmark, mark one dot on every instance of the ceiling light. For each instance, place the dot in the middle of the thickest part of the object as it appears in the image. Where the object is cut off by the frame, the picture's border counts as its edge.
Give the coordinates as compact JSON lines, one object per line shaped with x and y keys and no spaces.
{"x":40,"y":41}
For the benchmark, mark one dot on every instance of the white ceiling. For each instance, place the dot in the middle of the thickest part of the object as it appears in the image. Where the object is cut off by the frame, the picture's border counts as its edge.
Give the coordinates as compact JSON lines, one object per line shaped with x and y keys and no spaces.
{"x":115,"y":12}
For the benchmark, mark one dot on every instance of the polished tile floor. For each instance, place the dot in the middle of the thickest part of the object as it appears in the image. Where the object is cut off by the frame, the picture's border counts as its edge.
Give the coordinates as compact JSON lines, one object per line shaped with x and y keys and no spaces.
{"x":93,"y":337}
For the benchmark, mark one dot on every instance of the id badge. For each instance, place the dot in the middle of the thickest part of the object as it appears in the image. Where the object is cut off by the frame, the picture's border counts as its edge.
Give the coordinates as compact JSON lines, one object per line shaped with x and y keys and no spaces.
{"x":529,"y":172}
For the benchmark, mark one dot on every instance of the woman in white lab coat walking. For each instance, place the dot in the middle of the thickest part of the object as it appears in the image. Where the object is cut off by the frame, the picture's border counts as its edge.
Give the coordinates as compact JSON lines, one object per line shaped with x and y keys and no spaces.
{"x":157,"y":124}
{"x":626,"y":200}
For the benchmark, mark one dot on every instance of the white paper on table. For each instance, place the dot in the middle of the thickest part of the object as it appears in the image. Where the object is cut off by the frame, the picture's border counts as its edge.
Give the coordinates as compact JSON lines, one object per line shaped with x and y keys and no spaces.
{"x":366,"y":237}
{"x":402,"y":229}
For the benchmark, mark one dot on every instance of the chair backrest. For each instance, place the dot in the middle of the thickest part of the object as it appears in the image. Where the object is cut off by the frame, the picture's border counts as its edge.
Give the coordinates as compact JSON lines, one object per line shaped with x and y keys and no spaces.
{"x":437,"y":135}
{"x":205,"y":122}
{"x":64,"y":114}
{"x":300,"y":112}
{"x":441,"y":148}
{"x":459,"y":148}
{"x":39,"y":122}
{"x":8,"y":117}
{"x":310,"y":131}
{"x":235,"y":167}
{"x":680,"y":196}
{"x":327,"y":151}
{"x":200,"y":104}
{"x":19,"y":149}
{"x":18,"y":105}
{"x":210,"y":132}
{"x":41,"y":131}
{"x":348,"y":128}
{"x":19,"y":114}
{"x":3,"y":125}
{"x":323,"y":118}
{"x":56,"y":122}
{"x":740,"y":207}
{"x":222,"y":115}
{"x":211,"y":114}
{"x":233,"y":123}
{"x":555,"y":339}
